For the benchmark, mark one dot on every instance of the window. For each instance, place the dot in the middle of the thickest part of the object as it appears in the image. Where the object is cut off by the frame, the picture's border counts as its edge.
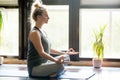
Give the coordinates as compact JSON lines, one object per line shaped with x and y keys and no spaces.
{"x":57,"y":27}
{"x":10,"y":33}
{"x":92,"y":19}
{"x":100,"y":2}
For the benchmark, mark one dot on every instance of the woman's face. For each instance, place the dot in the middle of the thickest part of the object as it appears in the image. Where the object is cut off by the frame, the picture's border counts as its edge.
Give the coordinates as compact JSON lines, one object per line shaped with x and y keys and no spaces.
{"x":45,"y":17}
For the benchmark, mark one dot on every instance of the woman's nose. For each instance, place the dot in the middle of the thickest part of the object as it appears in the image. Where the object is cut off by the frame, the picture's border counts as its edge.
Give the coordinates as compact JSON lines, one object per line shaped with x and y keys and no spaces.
{"x":48,"y":17}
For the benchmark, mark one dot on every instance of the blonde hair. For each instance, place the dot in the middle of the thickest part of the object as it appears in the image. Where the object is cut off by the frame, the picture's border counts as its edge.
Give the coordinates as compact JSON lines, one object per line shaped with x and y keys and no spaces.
{"x":37,"y":9}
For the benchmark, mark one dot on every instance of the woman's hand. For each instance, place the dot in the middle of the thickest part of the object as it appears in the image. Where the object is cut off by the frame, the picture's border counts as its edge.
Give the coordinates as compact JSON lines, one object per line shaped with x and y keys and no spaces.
{"x":60,"y":59}
{"x":71,"y":51}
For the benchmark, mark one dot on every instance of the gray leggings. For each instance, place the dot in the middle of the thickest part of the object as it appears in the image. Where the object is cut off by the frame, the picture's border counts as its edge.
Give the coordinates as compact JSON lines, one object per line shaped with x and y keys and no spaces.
{"x":47,"y":69}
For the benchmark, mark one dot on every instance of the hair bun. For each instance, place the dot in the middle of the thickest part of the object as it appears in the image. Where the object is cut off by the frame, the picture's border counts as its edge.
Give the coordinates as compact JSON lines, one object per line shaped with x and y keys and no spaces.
{"x":36,"y":5}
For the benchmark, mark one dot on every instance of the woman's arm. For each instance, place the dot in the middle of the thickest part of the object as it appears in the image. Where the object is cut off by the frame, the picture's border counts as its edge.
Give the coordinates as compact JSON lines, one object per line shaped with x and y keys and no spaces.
{"x":53,"y":51}
{"x":71,"y":51}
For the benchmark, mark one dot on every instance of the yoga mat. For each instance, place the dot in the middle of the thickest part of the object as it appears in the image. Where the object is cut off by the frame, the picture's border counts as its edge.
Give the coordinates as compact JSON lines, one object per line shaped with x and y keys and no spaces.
{"x":77,"y":73}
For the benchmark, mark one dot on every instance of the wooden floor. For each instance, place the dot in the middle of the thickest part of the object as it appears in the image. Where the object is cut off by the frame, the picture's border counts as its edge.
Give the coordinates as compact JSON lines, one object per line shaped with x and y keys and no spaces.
{"x":19,"y":72}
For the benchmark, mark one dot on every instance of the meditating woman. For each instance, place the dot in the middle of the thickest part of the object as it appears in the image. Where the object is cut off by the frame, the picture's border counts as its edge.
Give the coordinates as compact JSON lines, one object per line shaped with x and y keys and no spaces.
{"x":39,"y":61}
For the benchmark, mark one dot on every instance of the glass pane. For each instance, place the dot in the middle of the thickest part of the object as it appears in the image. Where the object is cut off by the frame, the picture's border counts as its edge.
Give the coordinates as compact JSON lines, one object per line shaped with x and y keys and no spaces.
{"x":93,"y":19}
{"x":57,"y":27}
{"x":10,"y":32}
{"x":9,"y":2}
{"x":115,"y":36}
{"x":100,"y":2}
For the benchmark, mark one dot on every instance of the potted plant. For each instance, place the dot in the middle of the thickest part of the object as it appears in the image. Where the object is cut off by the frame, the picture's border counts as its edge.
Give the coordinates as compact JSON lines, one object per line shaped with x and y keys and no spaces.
{"x":1,"y":25}
{"x":98,"y":48}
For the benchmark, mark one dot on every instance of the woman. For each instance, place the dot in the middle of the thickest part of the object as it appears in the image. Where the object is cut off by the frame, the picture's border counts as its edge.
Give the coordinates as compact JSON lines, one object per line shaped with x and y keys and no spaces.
{"x":40,"y":62}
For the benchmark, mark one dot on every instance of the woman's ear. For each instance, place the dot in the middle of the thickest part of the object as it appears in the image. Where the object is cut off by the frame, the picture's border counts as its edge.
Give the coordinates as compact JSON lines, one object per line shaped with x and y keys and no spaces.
{"x":39,"y":16}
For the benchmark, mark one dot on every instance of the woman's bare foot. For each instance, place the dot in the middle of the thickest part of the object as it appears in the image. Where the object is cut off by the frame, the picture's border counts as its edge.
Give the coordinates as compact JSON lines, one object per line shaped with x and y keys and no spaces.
{"x":53,"y":75}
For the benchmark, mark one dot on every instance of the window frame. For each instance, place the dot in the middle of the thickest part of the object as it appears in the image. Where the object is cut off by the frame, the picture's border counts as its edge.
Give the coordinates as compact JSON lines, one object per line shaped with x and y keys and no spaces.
{"x":73,"y":23}
{"x":100,"y":7}
{"x":7,"y":6}
{"x":24,"y":26}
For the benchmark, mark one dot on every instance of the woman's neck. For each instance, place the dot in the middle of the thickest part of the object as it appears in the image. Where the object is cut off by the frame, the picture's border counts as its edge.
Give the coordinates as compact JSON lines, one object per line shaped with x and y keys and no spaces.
{"x":39,"y":25}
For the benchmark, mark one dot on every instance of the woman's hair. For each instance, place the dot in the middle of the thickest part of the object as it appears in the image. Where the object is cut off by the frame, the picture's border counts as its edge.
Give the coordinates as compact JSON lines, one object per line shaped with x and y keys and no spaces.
{"x":37,"y":9}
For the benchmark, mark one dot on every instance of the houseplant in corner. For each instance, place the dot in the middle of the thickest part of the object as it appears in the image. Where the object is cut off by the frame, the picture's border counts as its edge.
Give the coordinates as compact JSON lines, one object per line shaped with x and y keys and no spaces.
{"x":98,"y":48}
{"x":1,"y":25}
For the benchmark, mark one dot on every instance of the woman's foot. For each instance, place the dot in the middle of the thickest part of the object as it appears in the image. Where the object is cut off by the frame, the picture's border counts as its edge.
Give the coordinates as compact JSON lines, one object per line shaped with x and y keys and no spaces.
{"x":53,"y":75}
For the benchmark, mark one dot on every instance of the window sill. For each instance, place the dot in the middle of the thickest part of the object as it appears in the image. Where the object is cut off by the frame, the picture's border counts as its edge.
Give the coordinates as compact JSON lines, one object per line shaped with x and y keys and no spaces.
{"x":13,"y":61}
{"x":89,"y":63}
{"x":73,"y":63}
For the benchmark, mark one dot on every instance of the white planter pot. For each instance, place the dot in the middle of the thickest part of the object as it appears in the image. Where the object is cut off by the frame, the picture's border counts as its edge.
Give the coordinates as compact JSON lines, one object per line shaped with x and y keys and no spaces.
{"x":97,"y":63}
{"x":1,"y":60}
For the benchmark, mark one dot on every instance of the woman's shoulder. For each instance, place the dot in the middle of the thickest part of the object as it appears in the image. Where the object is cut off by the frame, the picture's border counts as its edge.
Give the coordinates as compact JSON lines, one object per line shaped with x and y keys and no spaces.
{"x":33,"y":34}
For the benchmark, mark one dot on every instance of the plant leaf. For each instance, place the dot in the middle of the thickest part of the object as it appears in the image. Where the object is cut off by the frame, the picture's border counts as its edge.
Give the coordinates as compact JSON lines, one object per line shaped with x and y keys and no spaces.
{"x":1,"y":21}
{"x":98,"y":45}
{"x":1,"y":25}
